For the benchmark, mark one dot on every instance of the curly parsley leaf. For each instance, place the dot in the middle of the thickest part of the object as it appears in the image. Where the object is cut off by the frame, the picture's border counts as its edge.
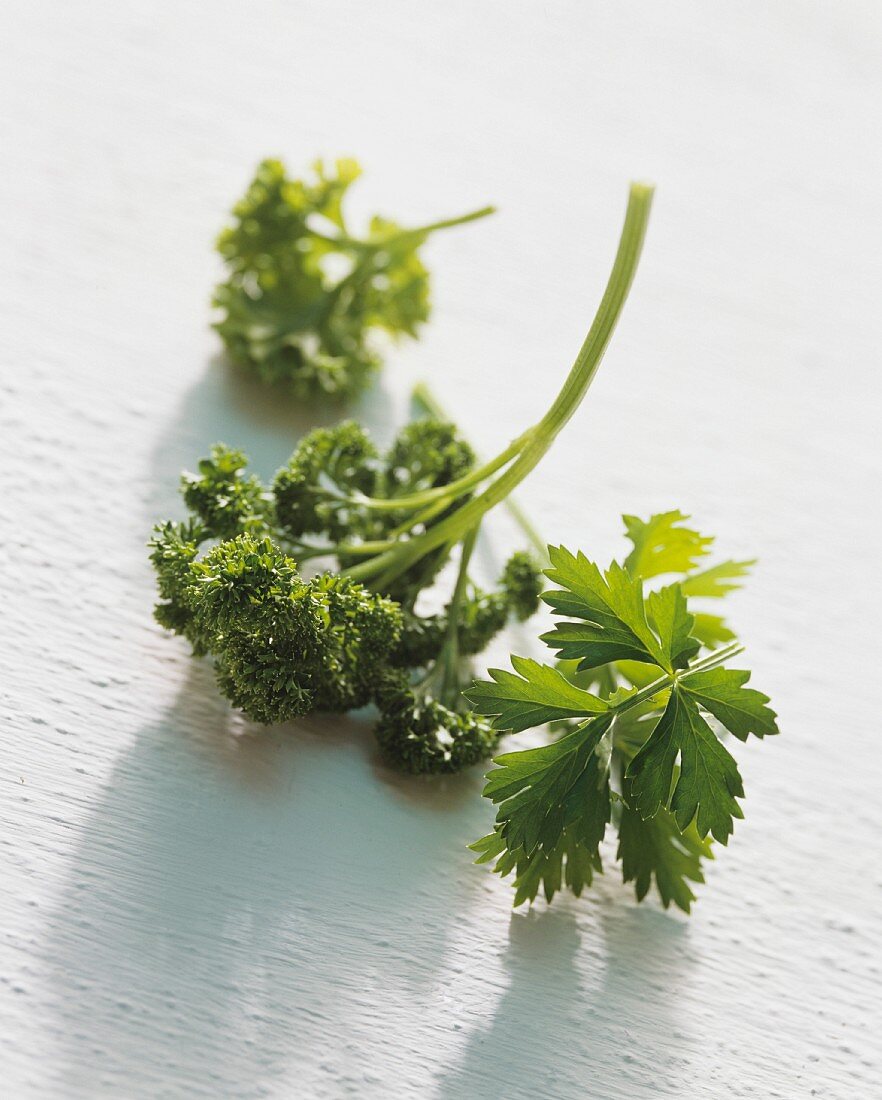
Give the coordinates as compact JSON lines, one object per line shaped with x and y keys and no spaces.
{"x":304,"y":296}
{"x":385,"y":526}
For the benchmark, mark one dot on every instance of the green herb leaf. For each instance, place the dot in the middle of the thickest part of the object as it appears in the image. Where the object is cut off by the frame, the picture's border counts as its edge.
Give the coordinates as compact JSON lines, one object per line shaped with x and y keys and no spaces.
{"x":304,"y":296}
{"x":530,"y":696}
{"x":611,"y":606}
{"x":740,"y":709}
{"x":657,"y":849}
{"x":565,"y":785}
{"x":673,"y":624}
{"x":615,"y":616}
{"x":717,"y":581}
{"x":662,"y":545}
{"x":710,"y":630}
{"x":386,"y":525}
{"x":708,"y":783}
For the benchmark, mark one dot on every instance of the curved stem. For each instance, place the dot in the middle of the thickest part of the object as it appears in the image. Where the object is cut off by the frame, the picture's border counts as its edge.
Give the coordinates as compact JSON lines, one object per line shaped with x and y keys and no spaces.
{"x":304,"y":551}
{"x":450,"y":491}
{"x":422,"y":395}
{"x":540,"y":438}
{"x":423,"y":516}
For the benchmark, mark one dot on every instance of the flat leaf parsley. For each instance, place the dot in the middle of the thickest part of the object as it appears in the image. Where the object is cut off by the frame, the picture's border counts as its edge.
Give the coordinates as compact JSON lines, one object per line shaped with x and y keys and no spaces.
{"x":642,"y":691}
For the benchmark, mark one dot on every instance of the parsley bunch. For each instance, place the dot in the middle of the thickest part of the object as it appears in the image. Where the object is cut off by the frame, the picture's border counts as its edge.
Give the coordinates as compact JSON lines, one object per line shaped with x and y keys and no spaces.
{"x":644,"y":694}
{"x":230,"y":576}
{"x":304,"y":295}
{"x":284,"y":645}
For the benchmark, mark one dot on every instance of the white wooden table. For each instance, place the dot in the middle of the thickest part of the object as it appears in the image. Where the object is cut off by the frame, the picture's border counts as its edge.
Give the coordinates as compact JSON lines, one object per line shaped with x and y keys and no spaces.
{"x":194,"y":908}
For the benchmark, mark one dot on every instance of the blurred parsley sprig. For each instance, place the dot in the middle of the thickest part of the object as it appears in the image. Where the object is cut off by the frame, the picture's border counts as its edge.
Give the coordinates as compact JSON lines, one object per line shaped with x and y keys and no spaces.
{"x":304,"y":294}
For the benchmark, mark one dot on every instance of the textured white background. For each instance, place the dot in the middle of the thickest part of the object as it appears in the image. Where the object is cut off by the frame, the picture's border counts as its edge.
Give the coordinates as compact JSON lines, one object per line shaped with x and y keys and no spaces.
{"x":194,"y":908}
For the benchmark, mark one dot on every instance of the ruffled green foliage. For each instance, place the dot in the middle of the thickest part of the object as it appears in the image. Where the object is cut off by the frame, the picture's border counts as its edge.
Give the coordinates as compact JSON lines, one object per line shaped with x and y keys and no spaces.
{"x":303,"y":295}
{"x":229,"y":581}
{"x":343,"y":457}
{"x":419,"y":734}
{"x":522,"y":585}
{"x":282,"y":645}
{"x":642,"y":710}
{"x":225,"y":501}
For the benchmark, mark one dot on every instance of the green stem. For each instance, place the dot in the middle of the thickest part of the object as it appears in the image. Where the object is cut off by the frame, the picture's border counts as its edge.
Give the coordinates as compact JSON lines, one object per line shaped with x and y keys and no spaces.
{"x":537,"y":441}
{"x":423,"y":516}
{"x":444,"y":493}
{"x":422,"y":395}
{"x":449,"y":680}
{"x":449,"y":223}
{"x":524,"y":522}
{"x":345,"y":241}
{"x":718,"y":657}
{"x":305,"y":551}
{"x":370,"y":249}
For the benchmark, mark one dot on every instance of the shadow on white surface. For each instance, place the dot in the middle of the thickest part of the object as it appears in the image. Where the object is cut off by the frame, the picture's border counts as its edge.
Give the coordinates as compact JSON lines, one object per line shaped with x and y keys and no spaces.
{"x":244,"y":903}
{"x":584,"y":978}
{"x":257,"y":912}
{"x":248,"y":911}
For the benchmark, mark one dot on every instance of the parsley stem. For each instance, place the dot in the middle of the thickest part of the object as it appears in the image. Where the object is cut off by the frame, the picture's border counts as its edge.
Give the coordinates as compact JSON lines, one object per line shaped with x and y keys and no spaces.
{"x":449,"y":492}
{"x":538,"y":439}
{"x":305,"y":551}
{"x":450,"y":687}
{"x":449,"y":223}
{"x":712,"y":660}
{"x":422,"y":395}
{"x":343,"y":240}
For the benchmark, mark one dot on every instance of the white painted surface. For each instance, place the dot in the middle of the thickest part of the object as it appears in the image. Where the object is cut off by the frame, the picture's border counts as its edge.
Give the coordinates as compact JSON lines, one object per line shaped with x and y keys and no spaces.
{"x":193,"y":908}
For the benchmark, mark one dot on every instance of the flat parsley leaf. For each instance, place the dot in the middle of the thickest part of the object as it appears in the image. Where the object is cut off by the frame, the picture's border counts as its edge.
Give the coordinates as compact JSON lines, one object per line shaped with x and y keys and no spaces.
{"x":662,"y":545}
{"x":718,"y":580}
{"x":650,"y":747}
{"x":615,"y":617}
{"x":569,"y":863}
{"x":656,"y":848}
{"x":708,"y":782}
{"x":563,"y":786}
{"x":530,"y":696}
{"x":740,"y":709}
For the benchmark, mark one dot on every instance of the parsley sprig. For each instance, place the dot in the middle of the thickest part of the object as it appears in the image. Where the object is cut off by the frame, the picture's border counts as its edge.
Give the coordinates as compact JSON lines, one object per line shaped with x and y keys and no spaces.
{"x":383,"y":525}
{"x":644,"y":690}
{"x":305,"y":295}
